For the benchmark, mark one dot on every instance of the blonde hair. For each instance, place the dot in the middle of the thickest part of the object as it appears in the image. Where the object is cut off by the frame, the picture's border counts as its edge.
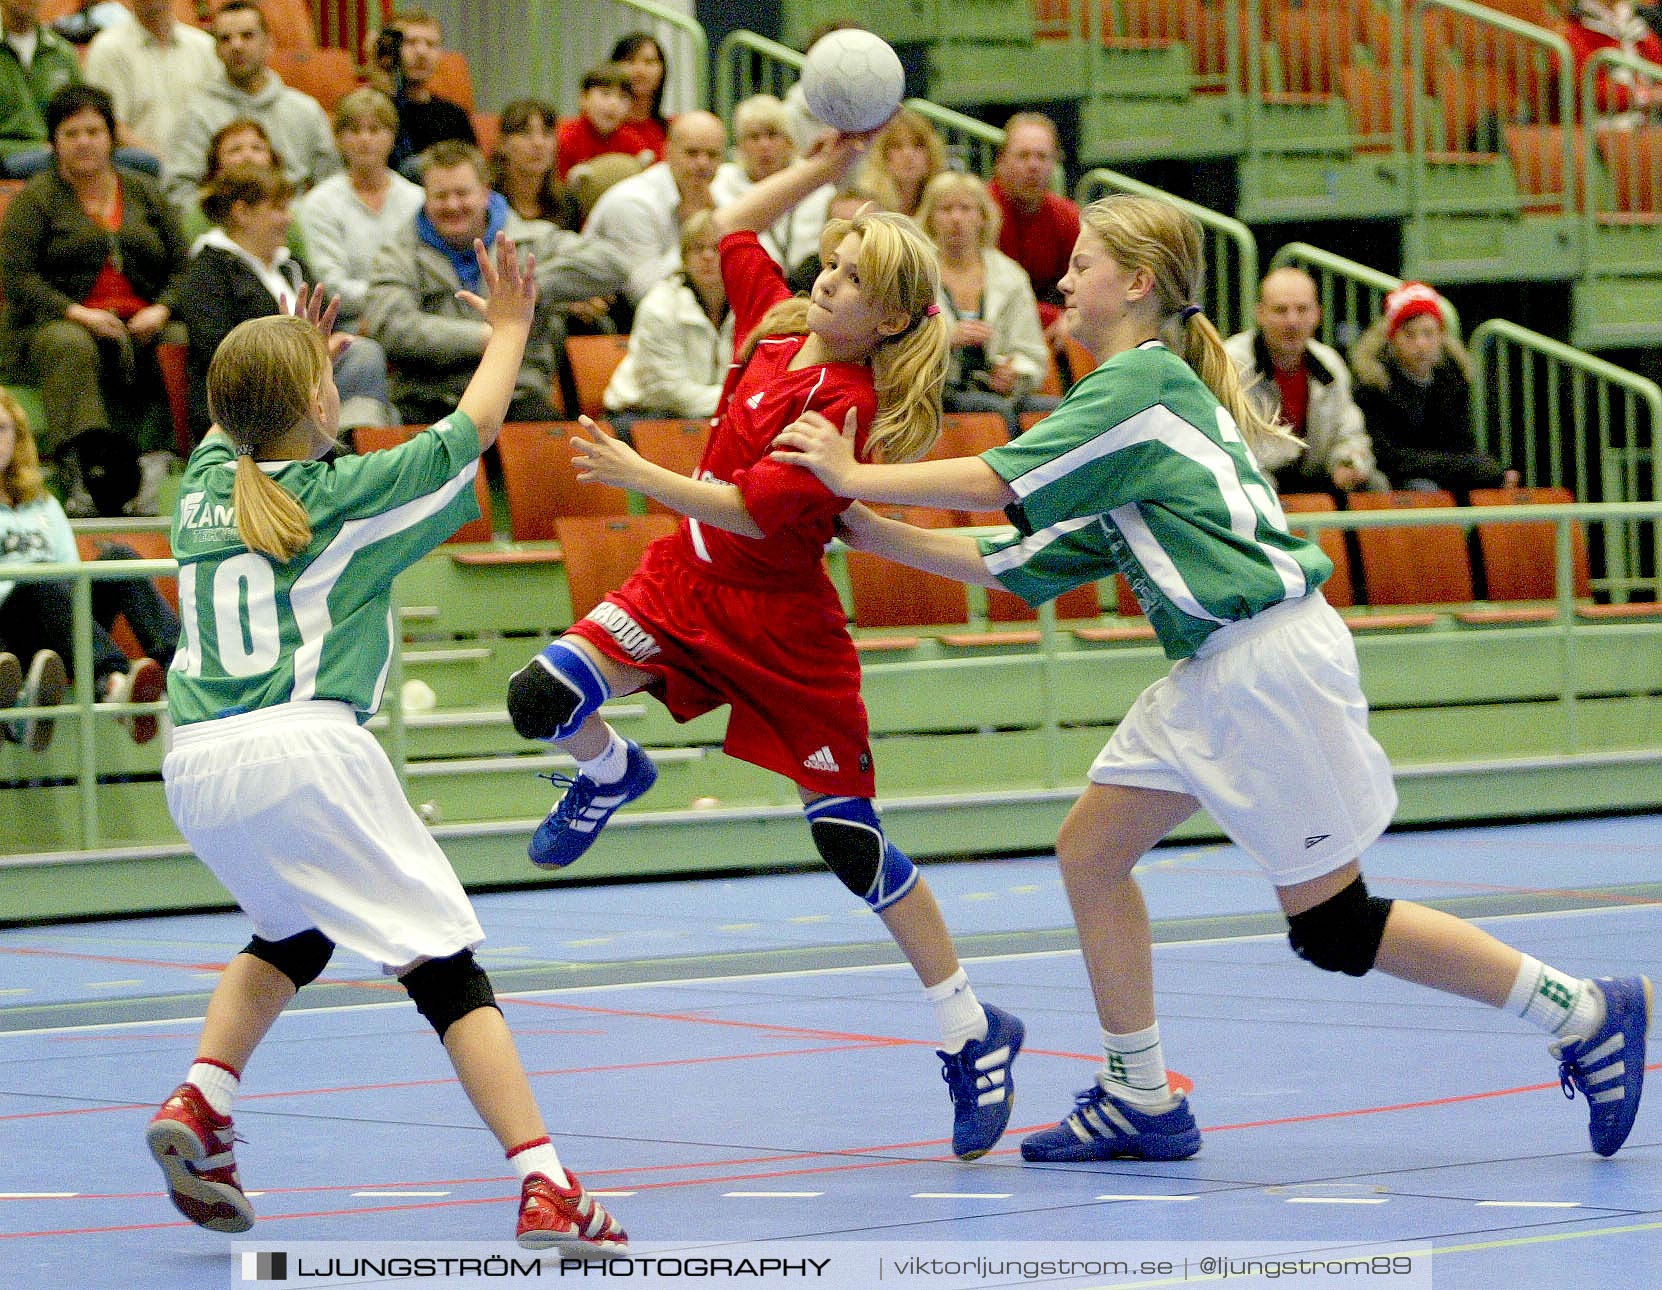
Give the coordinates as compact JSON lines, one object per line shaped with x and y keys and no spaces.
{"x":945,"y":185}
{"x":1147,"y":233}
{"x":874,"y":173}
{"x":761,"y":112}
{"x":260,"y":386}
{"x":899,"y":270}
{"x":366,"y":103}
{"x":23,"y":479}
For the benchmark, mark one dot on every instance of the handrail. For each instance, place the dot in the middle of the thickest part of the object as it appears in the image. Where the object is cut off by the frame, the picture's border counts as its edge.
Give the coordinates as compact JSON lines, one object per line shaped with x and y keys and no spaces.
{"x":1613,"y":58}
{"x":728,"y":92}
{"x":1550,"y":41}
{"x":1356,"y":276}
{"x":1228,"y":314}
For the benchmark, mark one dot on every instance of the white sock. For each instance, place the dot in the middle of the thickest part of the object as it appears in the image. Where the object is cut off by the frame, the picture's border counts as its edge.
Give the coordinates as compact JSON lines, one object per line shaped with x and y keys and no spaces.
{"x":957,"y":1010}
{"x":218,"y":1084}
{"x":1134,"y":1067}
{"x":608,"y":765}
{"x":539,"y":1157}
{"x":1559,"y":1004}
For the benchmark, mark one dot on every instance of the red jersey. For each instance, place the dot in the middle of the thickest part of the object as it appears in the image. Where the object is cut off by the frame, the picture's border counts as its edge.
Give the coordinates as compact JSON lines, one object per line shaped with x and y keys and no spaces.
{"x":796,"y":513}
{"x":1041,"y":243}
{"x":576,"y":141}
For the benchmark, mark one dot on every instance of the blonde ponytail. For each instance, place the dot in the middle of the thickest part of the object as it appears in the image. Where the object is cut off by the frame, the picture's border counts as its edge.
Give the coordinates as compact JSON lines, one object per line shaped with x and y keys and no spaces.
{"x":899,"y":270}
{"x":1145,"y":232}
{"x":260,"y":386}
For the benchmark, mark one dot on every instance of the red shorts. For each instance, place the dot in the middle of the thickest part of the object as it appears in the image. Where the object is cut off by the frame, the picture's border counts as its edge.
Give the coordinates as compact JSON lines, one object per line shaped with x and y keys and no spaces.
{"x":784,"y":660}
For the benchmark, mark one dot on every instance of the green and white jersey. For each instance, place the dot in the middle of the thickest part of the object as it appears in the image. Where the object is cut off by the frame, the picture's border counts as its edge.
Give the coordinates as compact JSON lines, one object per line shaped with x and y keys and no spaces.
{"x":255,"y":633}
{"x":1141,"y":471}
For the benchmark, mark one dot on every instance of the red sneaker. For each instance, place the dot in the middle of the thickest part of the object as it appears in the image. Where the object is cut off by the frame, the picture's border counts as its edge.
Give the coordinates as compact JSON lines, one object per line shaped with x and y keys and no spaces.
{"x":192,"y":1144}
{"x":569,"y":1218}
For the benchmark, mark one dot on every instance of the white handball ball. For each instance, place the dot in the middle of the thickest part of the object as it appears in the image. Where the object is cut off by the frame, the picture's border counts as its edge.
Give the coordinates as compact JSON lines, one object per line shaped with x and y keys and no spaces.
{"x":430,"y":813}
{"x":852,"y":81}
{"x":417,"y":696}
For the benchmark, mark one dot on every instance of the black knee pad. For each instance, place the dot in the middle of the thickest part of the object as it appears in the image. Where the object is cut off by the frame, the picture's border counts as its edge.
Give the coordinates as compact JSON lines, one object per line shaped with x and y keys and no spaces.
{"x":850,"y":840}
{"x":446,"y":990}
{"x":1342,"y":934}
{"x":538,"y":702}
{"x":301,"y":957}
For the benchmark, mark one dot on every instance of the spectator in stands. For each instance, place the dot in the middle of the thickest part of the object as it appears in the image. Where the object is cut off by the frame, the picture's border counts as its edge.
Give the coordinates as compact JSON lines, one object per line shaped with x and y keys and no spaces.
{"x":37,"y":618}
{"x":424,"y":118}
{"x":349,"y":217}
{"x":641,"y":53}
{"x":998,"y":353}
{"x":36,"y":62}
{"x":1039,"y":226}
{"x":434,"y":338}
{"x":642,"y":216}
{"x":1413,"y":384}
{"x":237,"y":142}
{"x":151,"y":66}
{"x":600,"y":127}
{"x":682,"y":342}
{"x":91,"y":258}
{"x":845,"y":203}
{"x":1292,"y":377}
{"x":904,"y":157}
{"x":295,"y":123}
{"x":761,"y":131}
{"x":525,"y":167}
{"x":1593,"y":25}
{"x":241,"y":269}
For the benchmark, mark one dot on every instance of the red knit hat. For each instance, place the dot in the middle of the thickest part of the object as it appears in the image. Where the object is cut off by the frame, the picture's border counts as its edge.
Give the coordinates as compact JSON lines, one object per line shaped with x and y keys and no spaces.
{"x":1411,"y":300}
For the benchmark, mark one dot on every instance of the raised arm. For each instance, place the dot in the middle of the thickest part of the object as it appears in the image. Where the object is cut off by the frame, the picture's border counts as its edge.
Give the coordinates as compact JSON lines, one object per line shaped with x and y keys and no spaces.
{"x":831,"y":157}
{"x":604,"y":459}
{"x":508,"y":311}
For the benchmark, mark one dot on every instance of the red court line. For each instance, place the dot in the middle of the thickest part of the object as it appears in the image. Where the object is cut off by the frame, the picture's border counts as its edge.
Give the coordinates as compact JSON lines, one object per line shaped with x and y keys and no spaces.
{"x":111,"y":958}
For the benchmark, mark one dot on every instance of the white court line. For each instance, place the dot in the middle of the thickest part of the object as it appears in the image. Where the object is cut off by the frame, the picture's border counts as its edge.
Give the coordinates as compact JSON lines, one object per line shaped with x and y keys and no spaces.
{"x":592,"y":1192}
{"x":1115,"y":1196}
{"x":1529,"y":1204}
{"x":38,"y":1195}
{"x":366,"y":1194}
{"x":772,"y":1195}
{"x":1336,"y":1200}
{"x":112,"y":985}
{"x":961,"y":1195}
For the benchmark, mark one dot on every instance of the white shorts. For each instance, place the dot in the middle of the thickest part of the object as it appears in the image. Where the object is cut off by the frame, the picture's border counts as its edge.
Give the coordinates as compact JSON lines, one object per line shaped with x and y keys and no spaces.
{"x":298,"y":812}
{"x":1267,"y":728}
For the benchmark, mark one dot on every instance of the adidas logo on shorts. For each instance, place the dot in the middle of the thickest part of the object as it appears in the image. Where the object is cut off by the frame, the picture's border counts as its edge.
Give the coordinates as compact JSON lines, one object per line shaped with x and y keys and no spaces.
{"x":821,"y":760}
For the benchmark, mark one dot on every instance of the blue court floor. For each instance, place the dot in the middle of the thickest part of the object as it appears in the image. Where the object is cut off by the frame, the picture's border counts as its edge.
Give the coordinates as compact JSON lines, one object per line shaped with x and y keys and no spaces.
{"x":744,"y":1060}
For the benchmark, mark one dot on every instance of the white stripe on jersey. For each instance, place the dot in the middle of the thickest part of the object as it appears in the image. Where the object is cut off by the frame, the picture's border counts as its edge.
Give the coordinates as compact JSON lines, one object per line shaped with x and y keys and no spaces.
{"x":1157,"y":564}
{"x":309,"y":596}
{"x":1159,"y":424}
{"x":1013,"y":557}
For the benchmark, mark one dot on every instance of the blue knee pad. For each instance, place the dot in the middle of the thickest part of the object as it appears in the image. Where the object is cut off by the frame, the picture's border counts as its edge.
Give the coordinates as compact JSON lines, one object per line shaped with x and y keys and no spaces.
{"x":552,"y":695}
{"x":850,"y":840}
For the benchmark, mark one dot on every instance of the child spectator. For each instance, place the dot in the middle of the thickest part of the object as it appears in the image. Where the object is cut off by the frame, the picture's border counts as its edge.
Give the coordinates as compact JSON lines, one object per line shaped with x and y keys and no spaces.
{"x":601,"y":124}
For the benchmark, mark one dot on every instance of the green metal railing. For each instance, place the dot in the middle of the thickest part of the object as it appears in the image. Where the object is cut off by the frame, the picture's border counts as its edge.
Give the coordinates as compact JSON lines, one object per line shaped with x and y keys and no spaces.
{"x":1570,"y":419}
{"x":1609,"y":147}
{"x":1351,"y":294}
{"x":1230,"y":289}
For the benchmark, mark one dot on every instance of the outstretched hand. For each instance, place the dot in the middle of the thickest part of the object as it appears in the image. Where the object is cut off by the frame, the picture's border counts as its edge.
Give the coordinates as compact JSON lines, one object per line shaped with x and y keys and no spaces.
{"x":603,"y":458}
{"x":813,"y":442}
{"x":510,"y":287}
{"x":319,"y":308}
{"x":838,"y":152}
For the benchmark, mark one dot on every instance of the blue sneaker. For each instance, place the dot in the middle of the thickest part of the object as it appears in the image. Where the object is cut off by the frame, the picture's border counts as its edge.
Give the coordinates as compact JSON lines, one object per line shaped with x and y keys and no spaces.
{"x":1609,"y":1065}
{"x":1102,"y":1127}
{"x":978,"y":1077}
{"x":576,"y":820}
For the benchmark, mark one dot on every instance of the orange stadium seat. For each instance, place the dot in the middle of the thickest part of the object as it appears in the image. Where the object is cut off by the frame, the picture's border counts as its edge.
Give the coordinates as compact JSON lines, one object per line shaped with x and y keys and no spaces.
{"x":453,"y":80}
{"x":1425,"y":565}
{"x":674,"y":445}
{"x":593,"y":359}
{"x":887,"y":594}
{"x":541,"y":481}
{"x":328,"y":75}
{"x":1339,"y":589}
{"x":147,"y":545}
{"x":601,"y":551}
{"x":1520,"y":559}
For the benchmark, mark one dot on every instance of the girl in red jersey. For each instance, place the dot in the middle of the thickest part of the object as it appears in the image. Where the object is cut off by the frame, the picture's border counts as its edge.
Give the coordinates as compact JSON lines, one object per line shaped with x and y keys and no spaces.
{"x":736,"y":606}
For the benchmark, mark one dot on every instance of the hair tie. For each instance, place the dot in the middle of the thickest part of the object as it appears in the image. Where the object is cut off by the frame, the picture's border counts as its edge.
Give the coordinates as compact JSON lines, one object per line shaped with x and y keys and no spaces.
{"x":245,"y":450}
{"x":932,"y":310}
{"x":1187,"y":312}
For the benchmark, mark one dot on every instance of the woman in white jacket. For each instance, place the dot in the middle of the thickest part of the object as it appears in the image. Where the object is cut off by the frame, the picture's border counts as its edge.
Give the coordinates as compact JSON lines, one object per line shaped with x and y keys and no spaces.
{"x":681,"y":344}
{"x":999,"y":355}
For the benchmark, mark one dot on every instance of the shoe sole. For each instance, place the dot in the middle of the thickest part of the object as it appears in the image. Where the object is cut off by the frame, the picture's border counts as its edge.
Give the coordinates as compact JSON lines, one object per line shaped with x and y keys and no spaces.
{"x":215,"y":1206}
{"x":571,"y":1246}
{"x":45,"y":687}
{"x":147,"y":688}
